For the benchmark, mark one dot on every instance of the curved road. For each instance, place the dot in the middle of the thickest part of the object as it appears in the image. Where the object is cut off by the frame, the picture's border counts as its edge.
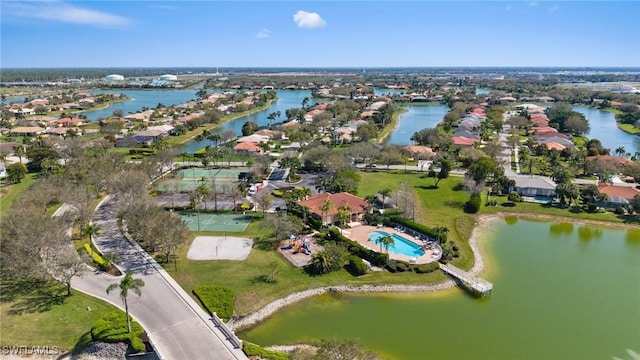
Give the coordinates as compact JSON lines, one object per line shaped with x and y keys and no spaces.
{"x":177,"y":326}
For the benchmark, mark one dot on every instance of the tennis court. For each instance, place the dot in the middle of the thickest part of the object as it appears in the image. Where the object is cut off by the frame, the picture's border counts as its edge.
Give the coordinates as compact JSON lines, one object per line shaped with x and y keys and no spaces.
{"x":189,"y":179}
{"x":216,"y":222}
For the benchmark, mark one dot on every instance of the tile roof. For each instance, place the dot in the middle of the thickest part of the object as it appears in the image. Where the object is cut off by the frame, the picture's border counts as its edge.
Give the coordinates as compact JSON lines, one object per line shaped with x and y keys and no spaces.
{"x":356,"y":204}
{"x":248,"y":146}
{"x":463,"y":141}
{"x":626,"y":192}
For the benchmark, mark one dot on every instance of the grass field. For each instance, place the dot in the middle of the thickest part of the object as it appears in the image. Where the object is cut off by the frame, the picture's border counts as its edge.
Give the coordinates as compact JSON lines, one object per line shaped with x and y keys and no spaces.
{"x":244,"y":277}
{"x":10,"y":192}
{"x":41,"y":315}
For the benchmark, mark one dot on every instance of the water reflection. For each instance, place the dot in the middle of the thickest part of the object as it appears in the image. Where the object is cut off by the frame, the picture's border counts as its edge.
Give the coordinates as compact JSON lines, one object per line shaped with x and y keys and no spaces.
{"x":561,"y":229}
{"x":632,"y":237}
{"x":511,"y":220}
{"x":588,"y":233}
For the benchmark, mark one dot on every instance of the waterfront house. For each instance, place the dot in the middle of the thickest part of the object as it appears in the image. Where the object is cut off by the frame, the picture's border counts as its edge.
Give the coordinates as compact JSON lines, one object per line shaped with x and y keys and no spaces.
{"x":617,"y":196}
{"x":534,"y":188}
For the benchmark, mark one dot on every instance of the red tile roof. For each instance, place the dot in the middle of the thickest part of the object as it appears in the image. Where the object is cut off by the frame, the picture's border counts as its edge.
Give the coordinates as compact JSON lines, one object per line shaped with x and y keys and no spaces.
{"x":248,"y":146}
{"x":626,"y":192}
{"x":463,"y":141}
{"x":356,"y":204}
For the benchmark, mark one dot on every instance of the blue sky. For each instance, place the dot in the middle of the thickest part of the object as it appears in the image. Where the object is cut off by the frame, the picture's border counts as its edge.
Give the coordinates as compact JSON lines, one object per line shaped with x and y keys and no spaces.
{"x":318,"y":33}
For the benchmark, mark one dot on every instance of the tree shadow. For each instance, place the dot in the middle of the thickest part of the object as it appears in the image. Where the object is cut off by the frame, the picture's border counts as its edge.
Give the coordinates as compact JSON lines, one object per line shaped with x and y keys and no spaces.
{"x":458,"y":187}
{"x":455,"y":204}
{"x":427,"y":187}
{"x":84,"y":341}
{"x":31,"y":296}
{"x":629,"y":219}
{"x":264,"y":243}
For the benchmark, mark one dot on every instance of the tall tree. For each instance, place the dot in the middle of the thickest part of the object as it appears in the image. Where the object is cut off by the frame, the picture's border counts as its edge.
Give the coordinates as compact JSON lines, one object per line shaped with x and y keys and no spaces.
{"x":128,"y":283}
{"x":385,"y":242}
{"x":325,"y":207}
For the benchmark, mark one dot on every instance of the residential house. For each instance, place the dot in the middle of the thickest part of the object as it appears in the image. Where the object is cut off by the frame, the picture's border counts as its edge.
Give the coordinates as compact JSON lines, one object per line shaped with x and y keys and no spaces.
{"x":463,"y":141}
{"x":27,"y":130}
{"x":249,"y":147}
{"x":356,"y":206}
{"x":618,"y":196}
{"x":535,"y":188}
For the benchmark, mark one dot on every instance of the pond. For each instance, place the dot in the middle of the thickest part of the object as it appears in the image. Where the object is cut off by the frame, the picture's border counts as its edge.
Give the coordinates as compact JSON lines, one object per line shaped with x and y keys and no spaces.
{"x":560,"y":290}
{"x":415,"y":119}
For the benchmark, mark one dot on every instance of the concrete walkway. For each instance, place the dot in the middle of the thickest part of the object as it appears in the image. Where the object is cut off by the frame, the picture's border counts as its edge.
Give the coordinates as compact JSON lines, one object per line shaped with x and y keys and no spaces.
{"x":177,"y":326}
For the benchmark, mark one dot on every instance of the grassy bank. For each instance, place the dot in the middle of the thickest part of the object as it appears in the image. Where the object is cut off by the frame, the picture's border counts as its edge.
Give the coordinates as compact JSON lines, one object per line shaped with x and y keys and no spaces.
{"x":37,"y":315}
{"x":9,"y":193}
{"x":628,"y":128}
{"x":392,"y":125}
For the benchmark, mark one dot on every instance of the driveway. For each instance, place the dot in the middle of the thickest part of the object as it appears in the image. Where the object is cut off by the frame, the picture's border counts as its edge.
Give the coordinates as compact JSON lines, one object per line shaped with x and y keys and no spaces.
{"x":175,"y":323}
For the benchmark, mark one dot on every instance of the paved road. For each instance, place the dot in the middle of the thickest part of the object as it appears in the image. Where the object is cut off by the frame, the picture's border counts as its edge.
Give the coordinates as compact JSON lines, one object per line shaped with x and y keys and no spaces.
{"x":177,"y":326}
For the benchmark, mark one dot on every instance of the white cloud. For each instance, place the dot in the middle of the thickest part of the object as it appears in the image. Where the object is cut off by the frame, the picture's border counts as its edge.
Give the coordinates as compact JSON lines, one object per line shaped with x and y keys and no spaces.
{"x":554,"y":9}
{"x":308,"y":20}
{"x":263,"y":33}
{"x":508,"y":7}
{"x":533,"y":3}
{"x":62,"y":12}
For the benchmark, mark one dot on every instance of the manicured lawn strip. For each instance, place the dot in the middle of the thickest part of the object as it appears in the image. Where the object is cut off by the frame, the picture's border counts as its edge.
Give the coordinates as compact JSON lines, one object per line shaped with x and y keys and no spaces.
{"x":544,"y":209}
{"x":36,"y":315}
{"x":216,"y":299}
{"x":629,"y":128}
{"x":251,"y":349}
{"x":112,"y":327}
{"x":386,"y":131}
{"x":11,"y":192}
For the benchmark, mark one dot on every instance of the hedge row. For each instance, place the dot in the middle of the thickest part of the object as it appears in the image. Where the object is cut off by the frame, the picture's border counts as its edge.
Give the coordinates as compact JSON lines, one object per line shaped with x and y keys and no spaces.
{"x":357,"y":266}
{"x":262,"y":353}
{"x":402,"y":266}
{"x":95,"y":256}
{"x":417,"y":227}
{"x":374,"y":257}
{"x":216,"y":299}
{"x":112,"y":327}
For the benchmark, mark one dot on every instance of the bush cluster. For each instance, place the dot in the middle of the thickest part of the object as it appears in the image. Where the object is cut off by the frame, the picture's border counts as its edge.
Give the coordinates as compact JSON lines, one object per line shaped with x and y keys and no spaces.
{"x":216,"y":299}
{"x":374,"y":257}
{"x":262,"y":353}
{"x":398,"y":266}
{"x":473,"y":205}
{"x":425,"y":230}
{"x":112,"y":327}
{"x":357,"y":266}
{"x":96,"y":257}
{"x":426,"y":268}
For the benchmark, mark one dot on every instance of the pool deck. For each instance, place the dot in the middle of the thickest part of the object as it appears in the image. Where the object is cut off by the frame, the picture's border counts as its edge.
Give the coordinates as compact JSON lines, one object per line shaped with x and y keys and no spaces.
{"x":361,"y":235}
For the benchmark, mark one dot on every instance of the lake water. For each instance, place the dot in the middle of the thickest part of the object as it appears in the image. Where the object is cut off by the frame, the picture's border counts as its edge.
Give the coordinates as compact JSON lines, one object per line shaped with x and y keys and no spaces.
{"x":561,"y":291}
{"x":140,"y":99}
{"x":604,"y":128}
{"x":287,"y":99}
{"x":482,"y":91}
{"x":417,"y":118}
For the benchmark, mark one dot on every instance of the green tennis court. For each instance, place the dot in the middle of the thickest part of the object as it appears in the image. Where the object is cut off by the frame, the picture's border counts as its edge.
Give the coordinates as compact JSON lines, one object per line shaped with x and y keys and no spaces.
{"x":216,"y":222}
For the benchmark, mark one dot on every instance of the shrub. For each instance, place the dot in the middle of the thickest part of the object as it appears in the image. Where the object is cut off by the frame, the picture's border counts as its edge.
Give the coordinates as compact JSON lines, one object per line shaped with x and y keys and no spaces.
{"x":96,"y":257}
{"x":262,"y":353}
{"x":426,"y":268}
{"x":473,"y":205}
{"x":397,"y":266}
{"x":425,"y":230}
{"x":216,"y":299}
{"x":357,"y":266}
{"x":514,"y":197}
{"x":277,"y":193}
{"x":112,"y":327}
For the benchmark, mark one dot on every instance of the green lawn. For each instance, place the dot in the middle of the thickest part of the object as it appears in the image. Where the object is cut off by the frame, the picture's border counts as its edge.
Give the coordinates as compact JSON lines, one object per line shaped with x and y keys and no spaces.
{"x":629,"y":128}
{"x":37,"y":315}
{"x":441,"y":206}
{"x":10,"y":192}
{"x":244,"y":276}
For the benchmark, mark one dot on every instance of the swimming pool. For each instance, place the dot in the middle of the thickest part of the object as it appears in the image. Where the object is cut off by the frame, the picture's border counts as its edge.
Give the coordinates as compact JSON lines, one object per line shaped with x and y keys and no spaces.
{"x":400,"y":245}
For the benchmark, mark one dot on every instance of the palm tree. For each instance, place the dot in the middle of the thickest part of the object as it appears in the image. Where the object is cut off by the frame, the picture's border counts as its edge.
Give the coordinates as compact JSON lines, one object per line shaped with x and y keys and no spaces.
{"x":441,"y":233}
{"x":385,"y":193}
{"x":320,"y":262}
{"x":343,"y":214}
{"x":385,"y":242}
{"x":127,"y":283}
{"x":620,"y":151}
{"x":371,"y":199}
{"x":20,"y":152}
{"x":325,"y":207}
{"x":90,"y":230}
